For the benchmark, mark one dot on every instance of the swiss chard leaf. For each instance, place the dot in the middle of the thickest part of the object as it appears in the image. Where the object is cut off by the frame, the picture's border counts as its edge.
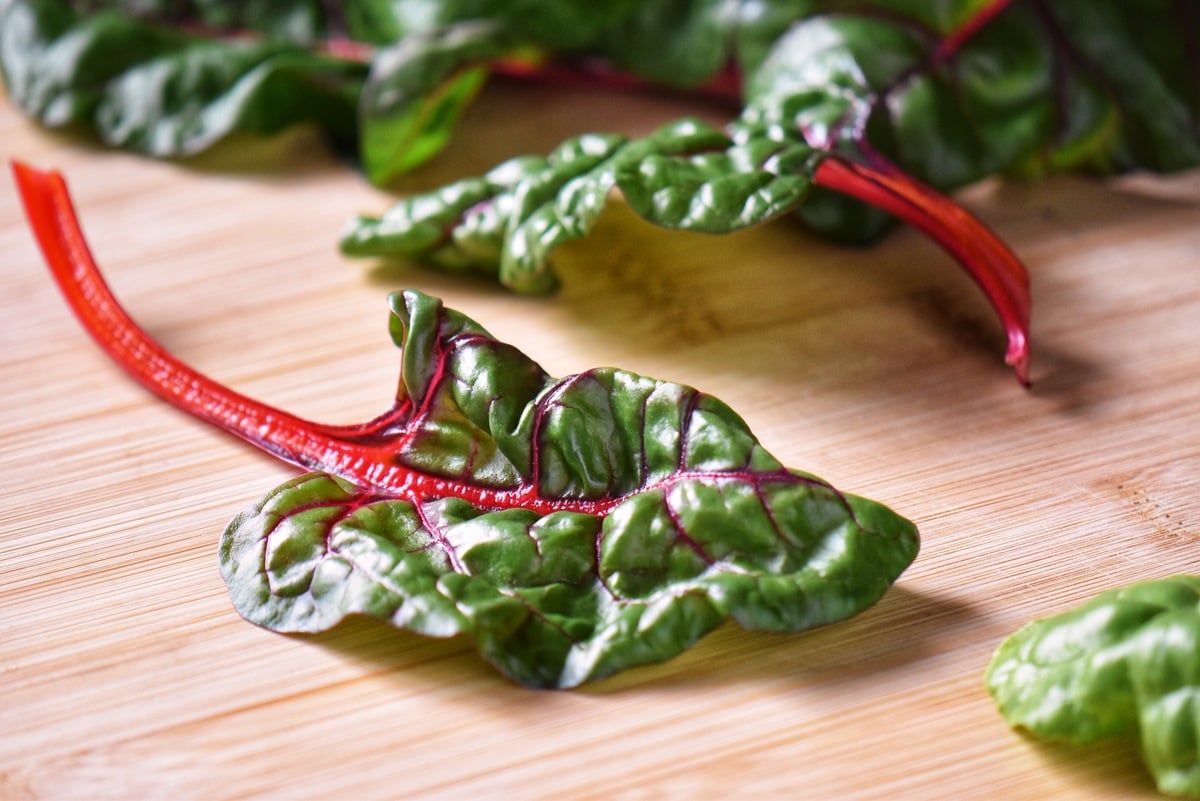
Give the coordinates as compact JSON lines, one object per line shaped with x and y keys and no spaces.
{"x":1125,"y":663}
{"x":994,"y":87}
{"x":686,"y":175}
{"x":417,"y":89}
{"x":918,"y":96}
{"x":162,"y":91}
{"x":571,"y":527}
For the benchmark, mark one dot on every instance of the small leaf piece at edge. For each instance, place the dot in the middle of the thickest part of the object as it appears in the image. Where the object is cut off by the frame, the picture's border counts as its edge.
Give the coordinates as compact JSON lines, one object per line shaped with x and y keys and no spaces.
{"x":1125,"y":663}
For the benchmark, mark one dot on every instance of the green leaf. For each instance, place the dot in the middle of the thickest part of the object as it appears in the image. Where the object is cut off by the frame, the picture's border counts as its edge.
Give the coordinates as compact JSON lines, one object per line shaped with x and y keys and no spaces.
{"x":571,"y":528}
{"x":675,"y":42}
{"x":687,"y":175}
{"x":1126,"y":663}
{"x":416,"y":91}
{"x":1038,"y":87}
{"x":162,"y":92}
{"x":298,"y":21}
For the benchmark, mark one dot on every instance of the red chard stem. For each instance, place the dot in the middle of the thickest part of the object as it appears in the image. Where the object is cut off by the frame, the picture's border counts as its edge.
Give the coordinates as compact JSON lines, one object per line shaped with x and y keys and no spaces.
{"x":956,"y":38}
{"x":990,"y":262}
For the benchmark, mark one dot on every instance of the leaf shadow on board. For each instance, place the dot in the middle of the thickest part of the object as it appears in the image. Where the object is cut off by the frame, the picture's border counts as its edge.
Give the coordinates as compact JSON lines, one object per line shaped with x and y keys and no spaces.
{"x":297,"y":152}
{"x":1113,"y":763}
{"x":775,"y":301}
{"x":1070,"y":383}
{"x":407,"y":656}
{"x":903,"y":627}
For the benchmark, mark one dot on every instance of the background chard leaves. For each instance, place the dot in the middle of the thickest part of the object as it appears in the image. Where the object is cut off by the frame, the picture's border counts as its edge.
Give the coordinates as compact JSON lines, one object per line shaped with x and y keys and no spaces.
{"x":852,"y":112}
{"x":571,"y":527}
{"x":164,"y":91}
{"x":950,"y":92}
{"x":1124,"y":664}
{"x":877,"y":104}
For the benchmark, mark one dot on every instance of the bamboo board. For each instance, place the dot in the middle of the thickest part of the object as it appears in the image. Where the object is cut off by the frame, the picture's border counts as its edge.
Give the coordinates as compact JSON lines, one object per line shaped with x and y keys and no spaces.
{"x":126,"y":673}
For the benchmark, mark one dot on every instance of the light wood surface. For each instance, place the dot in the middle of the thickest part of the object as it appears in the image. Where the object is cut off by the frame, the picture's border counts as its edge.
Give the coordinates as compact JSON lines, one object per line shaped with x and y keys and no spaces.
{"x":126,"y":674}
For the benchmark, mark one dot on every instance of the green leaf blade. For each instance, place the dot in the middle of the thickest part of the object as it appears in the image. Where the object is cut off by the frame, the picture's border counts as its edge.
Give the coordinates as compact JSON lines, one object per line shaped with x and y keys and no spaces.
{"x":162,"y":92}
{"x":597,"y":522}
{"x":417,"y":89}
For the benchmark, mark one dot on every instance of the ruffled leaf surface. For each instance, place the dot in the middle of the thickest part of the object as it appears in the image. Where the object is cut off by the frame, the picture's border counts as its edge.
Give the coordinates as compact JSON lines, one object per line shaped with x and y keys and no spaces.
{"x":163,"y":91}
{"x":570,"y":527}
{"x":1038,"y":87}
{"x":687,"y":175}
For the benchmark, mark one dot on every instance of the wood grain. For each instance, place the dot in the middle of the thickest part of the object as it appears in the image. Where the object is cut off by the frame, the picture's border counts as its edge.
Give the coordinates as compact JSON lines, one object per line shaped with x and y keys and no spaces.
{"x":126,"y":673}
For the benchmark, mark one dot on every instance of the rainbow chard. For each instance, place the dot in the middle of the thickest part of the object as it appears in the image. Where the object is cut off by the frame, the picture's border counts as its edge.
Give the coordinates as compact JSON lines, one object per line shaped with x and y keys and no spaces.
{"x":852,"y":113}
{"x":570,"y":527}
{"x":1124,"y":664}
{"x":851,"y":117}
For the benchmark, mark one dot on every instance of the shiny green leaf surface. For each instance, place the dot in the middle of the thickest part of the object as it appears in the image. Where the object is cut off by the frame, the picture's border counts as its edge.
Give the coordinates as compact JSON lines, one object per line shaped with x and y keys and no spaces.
{"x":686,"y":175}
{"x":417,"y":89}
{"x":1036,"y":87}
{"x":162,"y":91}
{"x":570,"y":527}
{"x":1126,"y":663}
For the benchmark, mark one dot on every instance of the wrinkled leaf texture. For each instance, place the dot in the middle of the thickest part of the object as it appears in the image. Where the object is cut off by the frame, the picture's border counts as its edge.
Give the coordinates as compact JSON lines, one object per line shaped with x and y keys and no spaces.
{"x":1102,"y":86}
{"x":163,"y":91}
{"x":650,"y":514}
{"x":1125,"y":663}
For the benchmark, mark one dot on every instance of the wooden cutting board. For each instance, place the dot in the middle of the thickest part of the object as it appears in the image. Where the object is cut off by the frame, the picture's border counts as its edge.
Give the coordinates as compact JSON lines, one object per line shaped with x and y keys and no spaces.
{"x":126,"y":674}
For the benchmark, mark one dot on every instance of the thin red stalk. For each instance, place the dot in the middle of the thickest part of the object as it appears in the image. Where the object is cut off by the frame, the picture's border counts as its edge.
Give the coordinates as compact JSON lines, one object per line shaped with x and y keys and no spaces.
{"x":725,"y":87}
{"x":951,"y":43}
{"x":339,"y":450}
{"x":993,"y":266}
{"x":585,"y":74}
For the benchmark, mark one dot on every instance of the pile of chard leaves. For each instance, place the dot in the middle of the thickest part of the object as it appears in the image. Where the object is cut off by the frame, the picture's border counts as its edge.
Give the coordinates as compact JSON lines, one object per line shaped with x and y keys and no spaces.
{"x":842,"y":102}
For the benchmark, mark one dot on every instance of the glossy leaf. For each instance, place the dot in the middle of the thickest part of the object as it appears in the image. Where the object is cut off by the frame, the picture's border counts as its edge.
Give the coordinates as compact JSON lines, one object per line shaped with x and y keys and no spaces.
{"x":921,"y":96}
{"x":1032,"y":87}
{"x":571,"y":527}
{"x":1125,"y":663}
{"x":685,"y":175}
{"x":417,"y":89}
{"x":653,"y":515}
{"x":161,"y":91}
